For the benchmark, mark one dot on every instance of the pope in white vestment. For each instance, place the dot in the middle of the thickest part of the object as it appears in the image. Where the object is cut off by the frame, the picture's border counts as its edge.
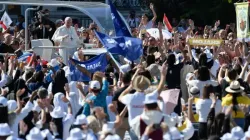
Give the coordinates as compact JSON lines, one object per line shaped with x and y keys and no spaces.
{"x":68,"y":39}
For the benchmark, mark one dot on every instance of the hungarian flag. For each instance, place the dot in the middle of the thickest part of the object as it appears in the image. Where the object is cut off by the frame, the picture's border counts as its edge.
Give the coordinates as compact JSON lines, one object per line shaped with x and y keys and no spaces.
{"x":6,"y":20}
{"x":2,"y":25}
{"x":166,"y":23}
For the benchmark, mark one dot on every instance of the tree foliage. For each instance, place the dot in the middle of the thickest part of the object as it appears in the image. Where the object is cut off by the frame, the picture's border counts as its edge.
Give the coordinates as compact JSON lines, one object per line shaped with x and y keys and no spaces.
{"x":201,"y":11}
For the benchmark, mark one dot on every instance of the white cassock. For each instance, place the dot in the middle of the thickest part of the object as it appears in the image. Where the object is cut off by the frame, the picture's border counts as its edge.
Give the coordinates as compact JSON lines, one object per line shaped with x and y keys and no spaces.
{"x":70,"y":43}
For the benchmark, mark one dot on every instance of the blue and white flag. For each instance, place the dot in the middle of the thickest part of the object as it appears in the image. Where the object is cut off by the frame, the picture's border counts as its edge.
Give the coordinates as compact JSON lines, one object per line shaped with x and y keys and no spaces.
{"x":128,"y":47}
{"x":120,"y":26}
{"x":24,"y":57}
{"x":97,"y":63}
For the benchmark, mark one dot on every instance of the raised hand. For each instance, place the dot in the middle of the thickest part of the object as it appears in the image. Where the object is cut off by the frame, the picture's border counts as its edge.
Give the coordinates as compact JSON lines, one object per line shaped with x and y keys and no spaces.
{"x":151,"y":6}
{"x":164,"y":68}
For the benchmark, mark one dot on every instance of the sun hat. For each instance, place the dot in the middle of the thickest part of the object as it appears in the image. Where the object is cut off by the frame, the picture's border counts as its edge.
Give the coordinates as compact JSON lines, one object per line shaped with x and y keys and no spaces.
{"x":5,"y":129}
{"x":194,"y":90}
{"x":53,"y":63}
{"x":57,"y":112}
{"x":141,"y":83}
{"x":76,"y":134}
{"x":150,"y":98}
{"x":175,"y":133}
{"x":94,"y":85}
{"x":234,"y":87}
{"x":80,"y":120}
{"x":3,"y":101}
{"x":35,"y":134}
{"x":154,"y":70}
{"x":12,"y":105}
{"x":228,"y":136}
{"x":237,"y":132}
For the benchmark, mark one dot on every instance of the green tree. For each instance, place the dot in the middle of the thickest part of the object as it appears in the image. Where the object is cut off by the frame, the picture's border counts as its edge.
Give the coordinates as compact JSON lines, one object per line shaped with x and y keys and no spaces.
{"x":203,"y":12}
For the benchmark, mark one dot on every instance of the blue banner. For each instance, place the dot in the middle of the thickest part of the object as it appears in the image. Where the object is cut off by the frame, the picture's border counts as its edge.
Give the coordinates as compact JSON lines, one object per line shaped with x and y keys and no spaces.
{"x":120,"y":27}
{"x":128,"y":47}
{"x":97,"y":63}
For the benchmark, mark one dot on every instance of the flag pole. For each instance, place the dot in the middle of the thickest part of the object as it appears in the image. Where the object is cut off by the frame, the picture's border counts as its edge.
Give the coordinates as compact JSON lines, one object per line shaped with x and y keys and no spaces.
{"x":112,"y":57}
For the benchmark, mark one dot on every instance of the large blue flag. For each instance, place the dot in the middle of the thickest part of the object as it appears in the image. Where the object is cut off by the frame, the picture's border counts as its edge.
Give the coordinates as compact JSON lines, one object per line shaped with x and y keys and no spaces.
{"x":129,"y":47}
{"x":120,"y":27}
{"x":97,"y":63}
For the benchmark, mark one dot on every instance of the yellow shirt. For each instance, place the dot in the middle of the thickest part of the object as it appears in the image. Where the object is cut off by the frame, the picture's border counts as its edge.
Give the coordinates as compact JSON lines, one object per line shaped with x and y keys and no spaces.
{"x":227,"y":101}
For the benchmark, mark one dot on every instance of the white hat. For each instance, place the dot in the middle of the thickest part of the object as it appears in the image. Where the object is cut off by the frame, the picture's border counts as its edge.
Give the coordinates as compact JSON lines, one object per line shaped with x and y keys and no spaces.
{"x":80,"y":120}
{"x":94,"y":85}
{"x":108,"y":128}
{"x":194,"y":90}
{"x":53,"y":63}
{"x":76,"y":134}
{"x":57,"y":112}
{"x":46,"y":134}
{"x":5,"y":129}
{"x":175,"y":134}
{"x":228,"y":136}
{"x":237,"y":132}
{"x":3,"y":101}
{"x":234,"y":87}
{"x":125,"y":68}
{"x":35,"y":134}
{"x":12,"y":105}
{"x":150,"y":98}
{"x":12,"y":138}
{"x":112,"y":137}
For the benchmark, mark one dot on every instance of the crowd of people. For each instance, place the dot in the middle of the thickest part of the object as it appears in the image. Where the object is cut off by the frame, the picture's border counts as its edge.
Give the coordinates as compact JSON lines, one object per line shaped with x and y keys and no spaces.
{"x":39,"y":101}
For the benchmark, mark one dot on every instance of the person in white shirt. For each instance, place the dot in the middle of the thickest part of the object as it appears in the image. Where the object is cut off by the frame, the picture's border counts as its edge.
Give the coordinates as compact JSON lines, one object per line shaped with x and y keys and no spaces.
{"x":203,"y":78}
{"x":81,"y":122}
{"x":67,"y":37}
{"x":203,"y":106}
{"x":145,"y":23}
{"x":134,"y":102}
{"x":17,"y":113}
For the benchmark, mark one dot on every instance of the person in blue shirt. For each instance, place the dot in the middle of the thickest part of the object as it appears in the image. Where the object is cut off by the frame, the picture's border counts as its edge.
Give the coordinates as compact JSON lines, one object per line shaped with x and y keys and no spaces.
{"x":98,"y":92}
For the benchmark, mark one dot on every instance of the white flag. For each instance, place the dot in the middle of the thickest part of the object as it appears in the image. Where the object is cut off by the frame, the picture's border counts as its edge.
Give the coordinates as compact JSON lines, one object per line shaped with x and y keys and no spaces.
{"x":6,"y":19}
